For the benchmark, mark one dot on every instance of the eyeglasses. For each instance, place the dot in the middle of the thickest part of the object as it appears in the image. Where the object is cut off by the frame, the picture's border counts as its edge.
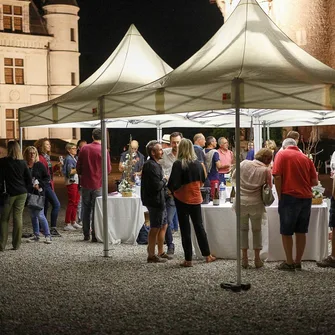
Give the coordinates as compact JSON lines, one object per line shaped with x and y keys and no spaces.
{"x":32,"y":153}
{"x":74,"y":148}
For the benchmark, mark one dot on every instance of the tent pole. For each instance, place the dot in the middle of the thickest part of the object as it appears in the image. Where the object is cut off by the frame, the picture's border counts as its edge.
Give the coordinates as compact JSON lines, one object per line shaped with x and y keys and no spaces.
{"x":268,"y":131}
{"x":104,"y":176}
{"x":238,"y":286}
{"x":257,"y":134}
{"x":237,"y":83}
{"x":21,"y":138}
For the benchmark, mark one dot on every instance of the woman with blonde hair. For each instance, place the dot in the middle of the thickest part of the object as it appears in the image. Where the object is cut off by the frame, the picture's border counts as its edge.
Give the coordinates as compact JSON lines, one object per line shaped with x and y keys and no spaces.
{"x":254,"y":174}
{"x":40,"y":178}
{"x":187,"y":176}
{"x":15,"y":175}
{"x":43,"y":147}
{"x":71,"y":182}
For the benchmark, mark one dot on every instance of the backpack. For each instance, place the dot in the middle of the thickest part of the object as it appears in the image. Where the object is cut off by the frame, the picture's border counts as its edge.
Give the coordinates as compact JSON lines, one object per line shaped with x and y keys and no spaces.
{"x":209,"y":158}
{"x":143,"y":235}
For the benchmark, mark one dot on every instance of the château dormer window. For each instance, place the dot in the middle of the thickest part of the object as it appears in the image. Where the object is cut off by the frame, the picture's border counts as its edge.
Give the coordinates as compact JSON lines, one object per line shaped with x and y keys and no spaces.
{"x":12,"y":18}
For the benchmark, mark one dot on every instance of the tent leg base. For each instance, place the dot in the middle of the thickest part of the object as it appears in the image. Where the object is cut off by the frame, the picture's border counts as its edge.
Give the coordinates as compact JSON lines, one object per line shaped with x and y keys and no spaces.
{"x":106,"y":253}
{"x":236,"y":287}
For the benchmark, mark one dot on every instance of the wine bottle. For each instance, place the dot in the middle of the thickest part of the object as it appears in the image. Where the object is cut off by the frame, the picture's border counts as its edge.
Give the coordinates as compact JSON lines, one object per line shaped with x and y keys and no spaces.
{"x":232,"y":194}
{"x":216,"y":198}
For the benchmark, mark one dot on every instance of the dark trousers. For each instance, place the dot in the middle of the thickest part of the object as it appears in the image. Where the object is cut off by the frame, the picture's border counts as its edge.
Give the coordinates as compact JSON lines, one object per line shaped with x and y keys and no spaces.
{"x":51,"y":197}
{"x":185,"y":212}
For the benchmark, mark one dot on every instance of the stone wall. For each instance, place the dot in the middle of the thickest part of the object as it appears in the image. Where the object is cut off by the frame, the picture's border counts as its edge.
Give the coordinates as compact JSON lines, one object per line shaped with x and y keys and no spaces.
{"x":306,"y":23}
{"x":331,"y":33}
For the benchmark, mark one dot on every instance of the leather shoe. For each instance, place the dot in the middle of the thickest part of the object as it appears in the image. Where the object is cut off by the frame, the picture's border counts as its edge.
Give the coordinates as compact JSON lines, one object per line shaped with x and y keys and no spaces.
{"x":156,"y":259}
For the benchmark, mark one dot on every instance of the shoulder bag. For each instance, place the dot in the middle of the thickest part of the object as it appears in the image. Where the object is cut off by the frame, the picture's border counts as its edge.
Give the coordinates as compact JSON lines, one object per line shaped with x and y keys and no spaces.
{"x":35,"y":201}
{"x":267,"y":195}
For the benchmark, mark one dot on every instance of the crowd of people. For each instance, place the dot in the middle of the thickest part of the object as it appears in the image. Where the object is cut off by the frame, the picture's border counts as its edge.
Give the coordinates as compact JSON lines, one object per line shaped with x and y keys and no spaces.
{"x":172,"y":174}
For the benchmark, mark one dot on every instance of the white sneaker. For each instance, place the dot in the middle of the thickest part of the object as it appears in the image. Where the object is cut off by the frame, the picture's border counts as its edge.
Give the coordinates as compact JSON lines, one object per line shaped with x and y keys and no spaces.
{"x":69,"y":227}
{"x":48,"y":240}
{"x":76,"y":225}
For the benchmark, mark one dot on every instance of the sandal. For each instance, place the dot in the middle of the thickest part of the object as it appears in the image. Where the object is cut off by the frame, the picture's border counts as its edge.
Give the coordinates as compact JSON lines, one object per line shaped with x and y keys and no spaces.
{"x":210,"y":259}
{"x":186,"y":264}
{"x":258,"y":263}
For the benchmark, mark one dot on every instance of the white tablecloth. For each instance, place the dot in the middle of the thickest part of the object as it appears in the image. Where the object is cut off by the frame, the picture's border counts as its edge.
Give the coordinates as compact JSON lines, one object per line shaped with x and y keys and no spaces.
{"x":125,"y":219}
{"x":220,"y":225}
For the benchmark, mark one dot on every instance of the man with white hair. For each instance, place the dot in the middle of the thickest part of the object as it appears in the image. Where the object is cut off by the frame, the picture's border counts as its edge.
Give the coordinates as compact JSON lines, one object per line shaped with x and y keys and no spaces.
{"x":294,"y":175}
{"x":138,"y":160}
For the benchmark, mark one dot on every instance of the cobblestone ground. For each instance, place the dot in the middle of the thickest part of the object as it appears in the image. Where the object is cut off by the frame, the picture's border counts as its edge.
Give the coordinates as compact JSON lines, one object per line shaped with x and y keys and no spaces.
{"x":69,"y":288}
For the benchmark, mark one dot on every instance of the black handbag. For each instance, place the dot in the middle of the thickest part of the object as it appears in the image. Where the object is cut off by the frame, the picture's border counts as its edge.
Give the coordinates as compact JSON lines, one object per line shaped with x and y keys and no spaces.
{"x":35,"y":201}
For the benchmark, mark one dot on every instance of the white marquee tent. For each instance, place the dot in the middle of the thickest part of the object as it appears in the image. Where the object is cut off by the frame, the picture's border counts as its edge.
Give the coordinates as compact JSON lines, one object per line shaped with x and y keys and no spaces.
{"x":249,"y":63}
{"x":132,"y":64}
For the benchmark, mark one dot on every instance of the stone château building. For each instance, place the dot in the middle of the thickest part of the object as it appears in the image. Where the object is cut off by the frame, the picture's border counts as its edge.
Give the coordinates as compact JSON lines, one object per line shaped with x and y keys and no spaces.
{"x":40,"y":60}
{"x":309,"y":23}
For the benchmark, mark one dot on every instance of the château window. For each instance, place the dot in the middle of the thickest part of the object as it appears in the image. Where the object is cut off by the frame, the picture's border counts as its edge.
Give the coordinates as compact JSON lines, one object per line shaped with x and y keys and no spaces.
{"x":12,"y":124}
{"x":12,"y":18}
{"x":73,"y":78}
{"x":14,"y":71}
{"x":72,"y":35}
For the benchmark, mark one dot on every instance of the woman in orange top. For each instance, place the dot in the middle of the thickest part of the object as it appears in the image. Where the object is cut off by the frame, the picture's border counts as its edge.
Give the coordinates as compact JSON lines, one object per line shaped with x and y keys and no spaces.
{"x":187,"y":176}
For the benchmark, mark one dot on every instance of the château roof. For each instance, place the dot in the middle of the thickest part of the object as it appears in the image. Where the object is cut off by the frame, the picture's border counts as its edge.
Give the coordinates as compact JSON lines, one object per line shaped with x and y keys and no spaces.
{"x":37,"y":23}
{"x":61,"y":2}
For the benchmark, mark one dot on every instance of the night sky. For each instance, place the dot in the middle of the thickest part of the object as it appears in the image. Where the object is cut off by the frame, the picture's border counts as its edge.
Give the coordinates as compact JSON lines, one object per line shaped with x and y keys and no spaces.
{"x":175,"y":29}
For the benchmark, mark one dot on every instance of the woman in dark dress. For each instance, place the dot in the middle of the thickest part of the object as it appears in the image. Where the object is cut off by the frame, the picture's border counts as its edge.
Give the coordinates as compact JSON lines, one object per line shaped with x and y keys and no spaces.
{"x":186,"y":178}
{"x":14,"y":173}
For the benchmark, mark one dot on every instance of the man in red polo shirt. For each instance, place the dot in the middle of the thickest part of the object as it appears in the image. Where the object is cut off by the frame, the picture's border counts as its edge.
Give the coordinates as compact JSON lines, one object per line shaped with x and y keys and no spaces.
{"x":89,"y":167}
{"x":294,"y":175}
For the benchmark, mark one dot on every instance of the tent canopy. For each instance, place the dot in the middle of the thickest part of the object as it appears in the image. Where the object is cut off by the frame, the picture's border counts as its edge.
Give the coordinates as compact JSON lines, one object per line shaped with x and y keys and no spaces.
{"x":276,"y":76}
{"x":132,"y":64}
{"x":275,"y":73}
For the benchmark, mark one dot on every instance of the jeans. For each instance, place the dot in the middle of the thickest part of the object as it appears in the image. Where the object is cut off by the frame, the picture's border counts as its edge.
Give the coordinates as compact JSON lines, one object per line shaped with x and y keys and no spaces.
{"x":38,"y":218}
{"x":88,"y":201}
{"x":175,"y":223}
{"x":170,"y":211}
{"x":50,"y":196}
{"x":185,"y":211}
{"x":72,"y":205}
{"x":16,"y":205}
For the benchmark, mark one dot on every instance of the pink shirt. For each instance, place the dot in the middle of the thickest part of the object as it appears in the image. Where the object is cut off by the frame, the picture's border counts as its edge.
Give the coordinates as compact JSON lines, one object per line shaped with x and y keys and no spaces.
{"x":89,"y":166}
{"x":226,"y":158}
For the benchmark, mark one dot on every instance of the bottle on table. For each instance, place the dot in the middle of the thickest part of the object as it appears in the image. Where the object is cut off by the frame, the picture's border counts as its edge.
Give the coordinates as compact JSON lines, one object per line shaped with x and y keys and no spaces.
{"x":216,"y":198}
{"x":222,"y":193}
{"x":232,"y":194}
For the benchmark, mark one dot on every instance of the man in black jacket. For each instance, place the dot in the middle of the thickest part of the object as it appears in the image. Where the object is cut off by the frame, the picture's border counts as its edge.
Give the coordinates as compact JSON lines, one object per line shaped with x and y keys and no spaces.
{"x":153,"y":191}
